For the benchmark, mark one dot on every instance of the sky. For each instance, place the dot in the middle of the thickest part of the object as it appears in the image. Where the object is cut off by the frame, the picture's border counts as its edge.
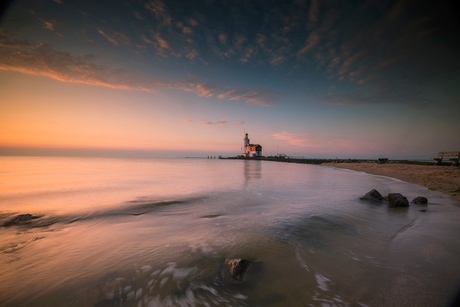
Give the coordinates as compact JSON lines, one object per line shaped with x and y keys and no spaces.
{"x":305,"y":78}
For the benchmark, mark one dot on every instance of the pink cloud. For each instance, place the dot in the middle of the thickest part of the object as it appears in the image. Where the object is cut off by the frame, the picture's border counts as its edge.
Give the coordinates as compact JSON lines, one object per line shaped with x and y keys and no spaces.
{"x":160,"y":10}
{"x":202,"y":89}
{"x":276,"y":60}
{"x":312,"y":42}
{"x":163,"y":43}
{"x":42,"y":60}
{"x":256,"y":97}
{"x":209,"y":123}
{"x":223,"y":38}
{"x":320,"y":144}
{"x":187,"y":30}
{"x":115,"y":37}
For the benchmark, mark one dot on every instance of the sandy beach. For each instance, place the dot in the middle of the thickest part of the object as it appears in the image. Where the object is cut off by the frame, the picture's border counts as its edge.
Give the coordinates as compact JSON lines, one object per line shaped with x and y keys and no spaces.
{"x":445,"y":179}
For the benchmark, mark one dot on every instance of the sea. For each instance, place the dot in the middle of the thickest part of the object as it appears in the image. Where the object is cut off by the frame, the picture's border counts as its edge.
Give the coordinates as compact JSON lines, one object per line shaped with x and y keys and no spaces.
{"x":157,"y":232}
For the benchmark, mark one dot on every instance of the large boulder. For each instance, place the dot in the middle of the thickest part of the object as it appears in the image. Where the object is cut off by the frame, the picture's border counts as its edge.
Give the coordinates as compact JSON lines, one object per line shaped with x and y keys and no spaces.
{"x":373,"y":195}
{"x":420,"y":200}
{"x":237,"y":267}
{"x":397,"y":200}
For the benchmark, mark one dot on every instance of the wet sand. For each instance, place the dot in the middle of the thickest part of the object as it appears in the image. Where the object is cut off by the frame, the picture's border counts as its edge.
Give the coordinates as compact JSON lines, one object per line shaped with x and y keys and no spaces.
{"x":444,"y":179}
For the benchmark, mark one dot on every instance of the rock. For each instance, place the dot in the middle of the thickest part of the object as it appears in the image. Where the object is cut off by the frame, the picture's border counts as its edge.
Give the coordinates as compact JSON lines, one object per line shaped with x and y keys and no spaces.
{"x":20,"y":219}
{"x":420,"y":200}
{"x":397,"y":200}
{"x":373,"y":195}
{"x":237,"y":267}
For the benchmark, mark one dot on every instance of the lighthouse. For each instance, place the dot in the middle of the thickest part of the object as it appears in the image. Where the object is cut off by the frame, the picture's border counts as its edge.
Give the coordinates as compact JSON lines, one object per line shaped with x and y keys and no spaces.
{"x":251,"y":150}
{"x":246,"y":141}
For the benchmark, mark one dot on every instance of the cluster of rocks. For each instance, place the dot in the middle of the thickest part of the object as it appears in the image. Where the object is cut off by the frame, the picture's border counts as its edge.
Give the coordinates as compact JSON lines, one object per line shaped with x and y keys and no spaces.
{"x":394,"y":199}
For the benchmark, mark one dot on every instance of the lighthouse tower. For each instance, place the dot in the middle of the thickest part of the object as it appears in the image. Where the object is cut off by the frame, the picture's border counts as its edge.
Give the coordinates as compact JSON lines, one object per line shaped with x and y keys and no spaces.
{"x":246,"y":141}
{"x":246,"y":147}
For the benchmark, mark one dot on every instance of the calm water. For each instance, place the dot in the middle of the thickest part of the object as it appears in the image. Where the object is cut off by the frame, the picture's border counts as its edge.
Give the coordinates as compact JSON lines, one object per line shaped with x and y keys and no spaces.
{"x":156,"y":232}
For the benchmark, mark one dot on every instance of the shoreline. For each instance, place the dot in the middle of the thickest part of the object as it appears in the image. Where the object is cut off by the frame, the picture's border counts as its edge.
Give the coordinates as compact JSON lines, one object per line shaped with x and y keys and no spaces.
{"x":445,"y":179}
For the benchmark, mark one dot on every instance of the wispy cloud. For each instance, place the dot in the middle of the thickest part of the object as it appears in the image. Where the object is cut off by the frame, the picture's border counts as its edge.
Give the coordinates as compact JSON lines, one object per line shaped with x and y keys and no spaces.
{"x":52,"y":25}
{"x":209,"y":123}
{"x":160,"y":11}
{"x":251,"y":96}
{"x":312,"y":41}
{"x":42,"y":60}
{"x":205,"y":122}
{"x":326,"y":145}
{"x":201,"y":89}
{"x":115,"y":37}
{"x":49,"y":25}
{"x":313,"y":12}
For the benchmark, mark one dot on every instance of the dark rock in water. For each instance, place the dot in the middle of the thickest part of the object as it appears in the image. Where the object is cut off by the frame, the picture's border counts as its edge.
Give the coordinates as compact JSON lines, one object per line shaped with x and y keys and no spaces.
{"x":373,"y":195}
{"x":237,"y":267}
{"x":21,"y":219}
{"x":397,"y":200}
{"x":420,"y":200}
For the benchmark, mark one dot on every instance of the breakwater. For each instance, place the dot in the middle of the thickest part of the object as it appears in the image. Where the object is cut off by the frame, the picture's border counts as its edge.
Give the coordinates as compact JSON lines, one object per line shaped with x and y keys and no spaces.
{"x":299,"y":160}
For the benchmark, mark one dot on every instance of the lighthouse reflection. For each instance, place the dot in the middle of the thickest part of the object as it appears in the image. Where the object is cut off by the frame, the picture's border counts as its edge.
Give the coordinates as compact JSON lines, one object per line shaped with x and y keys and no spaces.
{"x":252,"y":170}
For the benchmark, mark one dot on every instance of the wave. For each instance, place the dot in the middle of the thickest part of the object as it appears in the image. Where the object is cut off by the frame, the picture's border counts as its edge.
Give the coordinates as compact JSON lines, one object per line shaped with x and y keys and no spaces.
{"x":130,"y":208}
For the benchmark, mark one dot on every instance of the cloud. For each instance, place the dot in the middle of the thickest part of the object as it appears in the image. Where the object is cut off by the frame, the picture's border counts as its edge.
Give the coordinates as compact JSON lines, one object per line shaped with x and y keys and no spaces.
{"x":201,"y":89}
{"x":206,"y":122}
{"x":116,"y":38}
{"x":277,"y":60}
{"x":42,"y":60}
{"x":192,"y":54}
{"x":241,"y":122}
{"x":160,"y":10}
{"x":209,"y":123}
{"x":49,"y":25}
{"x":312,"y":42}
{"x":187,"y":30}
{"x":222,"y":38}
{"x":313,"y":12}
{"x":192,"y":22}
{"x":252,"y":97}
{"x":162,"y":43}
{"x":320,"y":144}
{"x":392,"y":94}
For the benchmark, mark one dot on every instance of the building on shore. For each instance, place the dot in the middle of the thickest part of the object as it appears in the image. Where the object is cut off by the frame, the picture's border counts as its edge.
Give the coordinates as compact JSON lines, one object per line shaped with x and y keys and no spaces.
{"x":251,"y":150}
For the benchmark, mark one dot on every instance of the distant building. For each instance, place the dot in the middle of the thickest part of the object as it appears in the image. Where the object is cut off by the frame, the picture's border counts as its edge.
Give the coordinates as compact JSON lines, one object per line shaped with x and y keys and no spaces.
{"x":251,"y":150}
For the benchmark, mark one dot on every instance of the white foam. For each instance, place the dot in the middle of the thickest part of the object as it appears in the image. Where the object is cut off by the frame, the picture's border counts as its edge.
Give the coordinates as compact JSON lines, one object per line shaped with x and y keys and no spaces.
{"x":322,"y":282}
